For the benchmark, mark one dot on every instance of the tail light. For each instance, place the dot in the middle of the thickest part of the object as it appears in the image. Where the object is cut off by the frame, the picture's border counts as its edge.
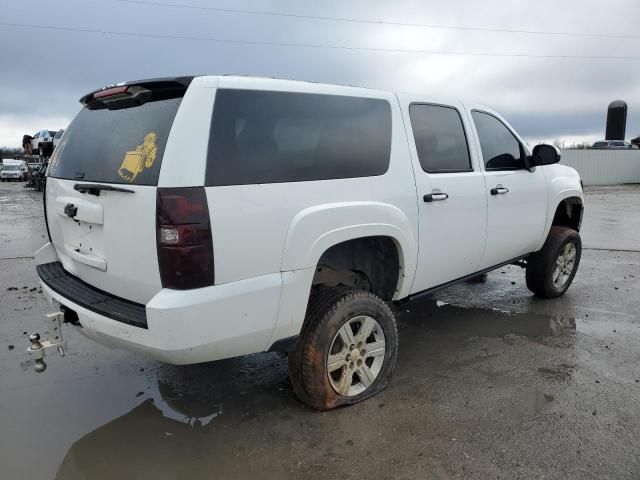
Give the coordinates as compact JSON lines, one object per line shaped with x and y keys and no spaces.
{"x":185,"y":245}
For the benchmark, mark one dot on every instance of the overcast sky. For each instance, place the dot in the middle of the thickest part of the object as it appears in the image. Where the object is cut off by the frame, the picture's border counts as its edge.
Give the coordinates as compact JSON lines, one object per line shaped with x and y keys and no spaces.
{"x":44,"y":72}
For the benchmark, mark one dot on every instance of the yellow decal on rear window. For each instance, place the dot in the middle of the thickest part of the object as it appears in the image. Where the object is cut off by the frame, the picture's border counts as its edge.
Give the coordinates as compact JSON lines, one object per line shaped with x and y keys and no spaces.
{"x":135,"y":161}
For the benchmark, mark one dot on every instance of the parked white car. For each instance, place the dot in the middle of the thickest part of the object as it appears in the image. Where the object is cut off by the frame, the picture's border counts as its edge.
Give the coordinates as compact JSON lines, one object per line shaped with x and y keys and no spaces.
{"x":228,"y":215}
{"x":13,"y":170}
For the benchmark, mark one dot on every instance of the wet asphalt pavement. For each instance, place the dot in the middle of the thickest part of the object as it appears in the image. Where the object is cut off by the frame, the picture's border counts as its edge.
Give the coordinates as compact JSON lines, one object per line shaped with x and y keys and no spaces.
{"x":491,"y":382}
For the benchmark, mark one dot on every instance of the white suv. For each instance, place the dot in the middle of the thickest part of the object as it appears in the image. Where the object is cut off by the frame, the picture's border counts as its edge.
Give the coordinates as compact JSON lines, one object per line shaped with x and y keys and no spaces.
{"x":228,"y":215}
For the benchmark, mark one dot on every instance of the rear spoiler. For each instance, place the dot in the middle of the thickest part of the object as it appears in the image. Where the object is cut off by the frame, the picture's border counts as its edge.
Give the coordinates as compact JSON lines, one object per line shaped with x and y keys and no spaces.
{"x":132,"y":94}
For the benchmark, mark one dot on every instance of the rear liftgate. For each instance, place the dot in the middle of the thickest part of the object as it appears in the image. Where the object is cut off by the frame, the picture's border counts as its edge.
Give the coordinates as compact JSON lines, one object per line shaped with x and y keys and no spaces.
{"x":116,"y":98}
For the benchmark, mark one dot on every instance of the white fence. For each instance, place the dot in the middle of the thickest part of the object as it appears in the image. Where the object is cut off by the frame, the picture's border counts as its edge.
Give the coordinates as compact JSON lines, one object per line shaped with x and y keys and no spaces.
{"x":604,"y":167}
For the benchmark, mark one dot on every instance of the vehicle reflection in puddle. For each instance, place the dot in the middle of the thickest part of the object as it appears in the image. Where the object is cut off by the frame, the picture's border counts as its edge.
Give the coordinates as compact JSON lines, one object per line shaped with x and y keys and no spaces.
{"x":140,"y":444}
{"x":168,"y":434}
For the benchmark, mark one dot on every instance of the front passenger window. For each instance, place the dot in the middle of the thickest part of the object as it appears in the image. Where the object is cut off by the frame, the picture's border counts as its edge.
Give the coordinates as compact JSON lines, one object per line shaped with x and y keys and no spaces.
{"x":500,"y":149}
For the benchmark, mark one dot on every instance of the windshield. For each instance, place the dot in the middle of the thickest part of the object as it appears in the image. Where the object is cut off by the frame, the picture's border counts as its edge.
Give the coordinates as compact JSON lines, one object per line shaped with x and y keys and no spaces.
{"x":11,"y":168}
{"x":116,"y":146}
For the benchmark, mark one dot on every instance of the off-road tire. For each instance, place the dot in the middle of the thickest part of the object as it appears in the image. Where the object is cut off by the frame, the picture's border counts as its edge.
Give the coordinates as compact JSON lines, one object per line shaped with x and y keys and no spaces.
{"x":328,"y":310}
{"x":541,"y":265}
{"x":318,"y":299}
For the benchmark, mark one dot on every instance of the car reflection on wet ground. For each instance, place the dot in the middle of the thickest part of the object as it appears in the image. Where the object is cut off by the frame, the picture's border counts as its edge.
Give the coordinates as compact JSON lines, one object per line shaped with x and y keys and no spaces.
{"x":490,"y":382}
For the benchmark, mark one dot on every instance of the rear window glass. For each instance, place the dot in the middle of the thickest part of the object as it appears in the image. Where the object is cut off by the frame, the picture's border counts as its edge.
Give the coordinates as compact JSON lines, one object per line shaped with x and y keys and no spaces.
{"x":116,"y":146}
{"x":273,"y":137}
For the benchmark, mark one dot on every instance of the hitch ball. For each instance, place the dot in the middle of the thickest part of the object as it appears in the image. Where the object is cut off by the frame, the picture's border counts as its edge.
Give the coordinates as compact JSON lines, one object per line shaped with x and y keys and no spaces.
{"x":34,"y":338}
{"x":39,"y":364}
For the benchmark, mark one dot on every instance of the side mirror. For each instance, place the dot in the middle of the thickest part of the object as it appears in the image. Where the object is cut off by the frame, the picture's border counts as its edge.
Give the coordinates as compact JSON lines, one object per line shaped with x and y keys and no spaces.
{"x":544,"y":154}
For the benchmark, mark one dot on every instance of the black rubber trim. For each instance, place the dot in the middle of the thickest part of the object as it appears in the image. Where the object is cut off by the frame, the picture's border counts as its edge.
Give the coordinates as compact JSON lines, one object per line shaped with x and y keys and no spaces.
{"x":91,"y":298}
{"x":285,"y":345}
{"x":431,"y":290}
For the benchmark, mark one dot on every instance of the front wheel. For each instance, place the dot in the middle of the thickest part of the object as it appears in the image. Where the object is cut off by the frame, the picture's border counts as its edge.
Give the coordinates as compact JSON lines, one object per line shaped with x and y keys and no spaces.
{"x":551,"y":270}
{"x":347,"y":349}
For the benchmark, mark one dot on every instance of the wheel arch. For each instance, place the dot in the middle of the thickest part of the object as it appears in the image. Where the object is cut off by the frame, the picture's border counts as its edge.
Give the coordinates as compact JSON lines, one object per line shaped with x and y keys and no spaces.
{"x":316,"y":230}
{"x":569,"y":212}
{"x":371,"y":263}
{"x":567,"y":209}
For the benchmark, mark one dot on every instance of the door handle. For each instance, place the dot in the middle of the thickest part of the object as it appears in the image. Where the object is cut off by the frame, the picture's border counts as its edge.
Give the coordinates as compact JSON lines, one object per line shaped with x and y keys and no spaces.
{"x":499,"y":190}
{"x":435,"y":197}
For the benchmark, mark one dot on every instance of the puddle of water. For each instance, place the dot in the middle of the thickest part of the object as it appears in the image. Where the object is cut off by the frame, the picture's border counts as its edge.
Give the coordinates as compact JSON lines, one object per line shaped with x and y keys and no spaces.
{"x":177,"y":424}
{"x":191,"y":409}
{"x":494,"y":323}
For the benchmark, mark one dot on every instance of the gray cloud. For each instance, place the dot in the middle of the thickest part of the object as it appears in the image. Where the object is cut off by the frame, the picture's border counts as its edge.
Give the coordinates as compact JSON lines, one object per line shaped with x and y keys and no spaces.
{"x":45,"y":72}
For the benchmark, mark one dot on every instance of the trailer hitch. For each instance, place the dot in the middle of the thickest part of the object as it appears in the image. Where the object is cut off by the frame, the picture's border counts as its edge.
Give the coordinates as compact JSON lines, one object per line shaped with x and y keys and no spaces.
{"x":38,"y":349}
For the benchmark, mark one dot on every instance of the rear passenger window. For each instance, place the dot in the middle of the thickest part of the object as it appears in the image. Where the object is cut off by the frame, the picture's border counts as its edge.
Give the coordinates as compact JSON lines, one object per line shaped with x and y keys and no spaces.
{"x":440,"y":139}
{"x":273,"y":137}
{"x":500,"y":148}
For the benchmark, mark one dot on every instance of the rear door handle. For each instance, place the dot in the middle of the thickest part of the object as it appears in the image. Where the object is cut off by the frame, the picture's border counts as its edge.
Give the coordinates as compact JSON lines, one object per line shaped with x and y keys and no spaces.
{"x":499,"y":190}
{"x":435,"y":197}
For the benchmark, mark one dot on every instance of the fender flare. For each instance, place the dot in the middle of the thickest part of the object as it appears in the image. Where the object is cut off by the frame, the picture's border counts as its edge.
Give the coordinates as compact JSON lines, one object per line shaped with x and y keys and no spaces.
{"x":554,"y":202}
{"x":316,"y":229}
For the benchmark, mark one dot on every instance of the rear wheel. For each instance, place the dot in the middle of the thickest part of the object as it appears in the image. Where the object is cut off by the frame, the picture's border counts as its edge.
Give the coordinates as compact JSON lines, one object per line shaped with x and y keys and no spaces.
{"x":551,"y":270}
{"x":347,"y":350}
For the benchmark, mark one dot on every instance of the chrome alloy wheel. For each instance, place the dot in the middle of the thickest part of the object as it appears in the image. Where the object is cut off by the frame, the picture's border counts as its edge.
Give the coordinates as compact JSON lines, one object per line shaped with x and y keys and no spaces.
{"x":565,"y":264}
{"x":356,"y":356}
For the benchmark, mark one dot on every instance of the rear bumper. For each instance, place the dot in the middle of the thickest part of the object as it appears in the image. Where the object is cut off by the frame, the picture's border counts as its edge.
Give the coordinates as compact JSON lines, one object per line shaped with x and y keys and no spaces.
{"x":59,"y":280}
{"x":189,"y":326}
